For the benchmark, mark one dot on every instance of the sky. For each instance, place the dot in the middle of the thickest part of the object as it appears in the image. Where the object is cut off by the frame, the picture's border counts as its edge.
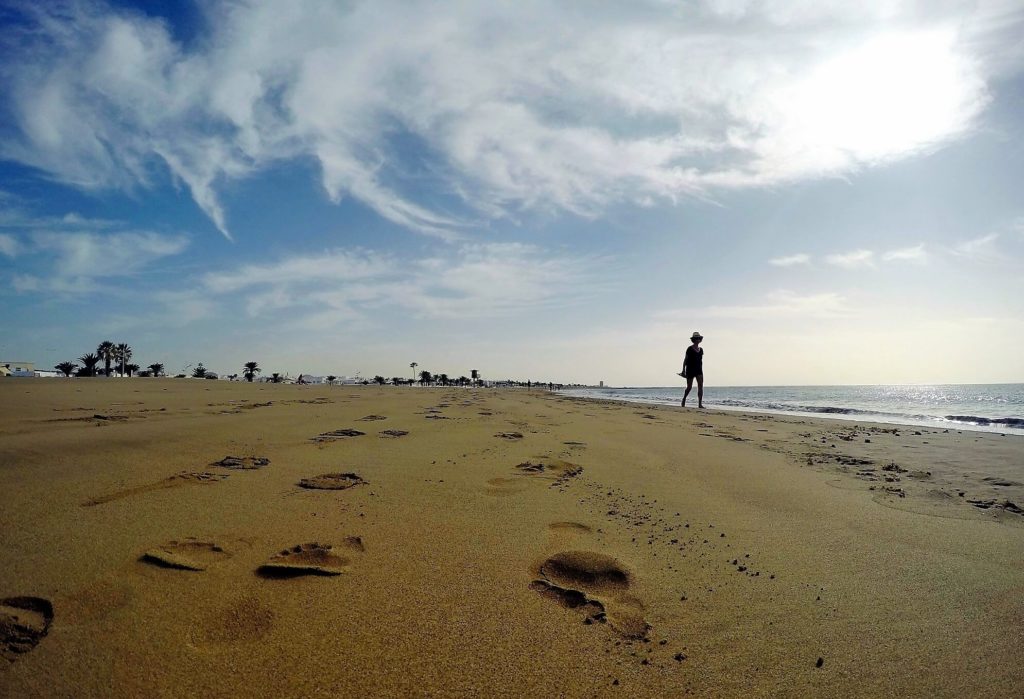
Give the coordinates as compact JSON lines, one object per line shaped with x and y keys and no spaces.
{"x":830,"y":192}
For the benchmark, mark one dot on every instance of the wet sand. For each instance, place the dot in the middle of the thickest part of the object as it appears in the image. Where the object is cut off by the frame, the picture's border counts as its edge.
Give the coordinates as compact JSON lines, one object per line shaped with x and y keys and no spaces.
{"x":388,"y":541}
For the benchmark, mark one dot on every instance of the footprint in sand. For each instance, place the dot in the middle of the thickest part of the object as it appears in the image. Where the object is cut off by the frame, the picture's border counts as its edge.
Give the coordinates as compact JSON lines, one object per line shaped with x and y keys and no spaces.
{"x":189,"y":554}
{"x":596,"y":584}
{"x":510,"y":435}
{"x":332,"y":481}
{"x":245,"y":619}
{"x":558,"y":472}
{"x":371,"y":418}
{"x":569,"y":528}
{"x":179,"y":479}
{"x":392,"y":433}
{"x":23,"y":623}
{"x":242,"y":463}
{"x":96,"y":600}
{"x":335,"y":435}
{"x":312,"y":559}
{"x":506,"y":486}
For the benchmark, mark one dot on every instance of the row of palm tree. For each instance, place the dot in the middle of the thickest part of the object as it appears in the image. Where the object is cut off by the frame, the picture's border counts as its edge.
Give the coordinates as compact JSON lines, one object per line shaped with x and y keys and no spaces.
{"x":108,"y":353}
{"x":111,"y":352}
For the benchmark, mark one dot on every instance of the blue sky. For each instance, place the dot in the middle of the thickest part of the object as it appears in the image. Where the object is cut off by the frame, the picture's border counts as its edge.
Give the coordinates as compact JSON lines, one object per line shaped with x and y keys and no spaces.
{"x":828,"y":192}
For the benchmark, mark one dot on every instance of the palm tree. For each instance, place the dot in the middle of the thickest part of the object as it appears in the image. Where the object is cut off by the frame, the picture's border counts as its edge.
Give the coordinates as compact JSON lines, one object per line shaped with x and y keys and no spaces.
{"x":89,"y":362}
{"x":331,"y":379}
{"x":275,"y":377}
{"x":425,"y":377}
{"x":123,"y":353}
{"x":66,"y":368}
{"x":105,"y":350}
{"x":463,"y":381}
{"x":157,"y":369}
{"x":199,"y":372}
{"x":396,"y":380}
{"x":379,"y":380}
{"x":250,"y":370}
{"x":131,"y":368}
{"x":443,"y":379}
{"x":413,"y":366}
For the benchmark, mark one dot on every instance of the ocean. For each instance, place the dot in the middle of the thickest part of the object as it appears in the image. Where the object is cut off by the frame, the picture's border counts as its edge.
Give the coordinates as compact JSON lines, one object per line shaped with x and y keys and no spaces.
{"x":987,"y":407}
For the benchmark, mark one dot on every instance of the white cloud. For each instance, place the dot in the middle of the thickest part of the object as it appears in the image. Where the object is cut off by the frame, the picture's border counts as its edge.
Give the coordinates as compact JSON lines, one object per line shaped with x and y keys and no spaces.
{"x":781,"y":304}
{"x":91,"y":255}
{"x":981,"y":249}
{"x":791,"y":260}
{"x":9,"y":245}
{"x":71,"y":254}
{"x":916,"y":254}
{"x":855,"y":259}
{"x":31,"y":283}
{"x":331,"y":266}
{"x":15,"y":214}
{"x":472,"y":281}
{"x":509,"y":105}
{"x":182,"y":307}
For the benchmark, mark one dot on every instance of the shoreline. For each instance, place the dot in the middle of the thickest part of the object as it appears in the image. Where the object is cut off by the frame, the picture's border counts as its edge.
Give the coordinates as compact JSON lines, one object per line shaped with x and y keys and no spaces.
{"x":830,"y":412}
{"x":503,"y":543}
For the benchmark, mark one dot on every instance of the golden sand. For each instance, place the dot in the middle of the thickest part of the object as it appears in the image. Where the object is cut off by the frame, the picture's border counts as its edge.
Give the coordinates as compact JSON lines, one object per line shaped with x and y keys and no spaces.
{"x":404,"y":541}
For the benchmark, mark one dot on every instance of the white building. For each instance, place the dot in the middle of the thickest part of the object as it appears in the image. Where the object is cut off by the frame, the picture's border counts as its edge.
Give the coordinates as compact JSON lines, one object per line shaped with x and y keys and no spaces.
{"x":22,"y":369}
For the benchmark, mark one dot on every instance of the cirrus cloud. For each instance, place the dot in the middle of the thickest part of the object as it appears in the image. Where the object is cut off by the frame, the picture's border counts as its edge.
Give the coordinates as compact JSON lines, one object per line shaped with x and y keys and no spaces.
{"x":510,"y":106}
{"x":473,"y":281}
{"x":915,"y":254}
{"x":791,"y":260}
{"x":855,"y":259}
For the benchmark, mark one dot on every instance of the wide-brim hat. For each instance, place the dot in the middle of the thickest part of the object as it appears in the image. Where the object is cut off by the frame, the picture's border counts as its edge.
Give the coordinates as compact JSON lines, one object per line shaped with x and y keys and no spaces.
{"x":696,"y":336}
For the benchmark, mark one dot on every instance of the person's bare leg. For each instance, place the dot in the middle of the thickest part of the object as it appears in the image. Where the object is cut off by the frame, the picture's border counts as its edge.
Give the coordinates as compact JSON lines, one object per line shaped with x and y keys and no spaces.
{"x":689,"y":387}
{"x":700,"y":391}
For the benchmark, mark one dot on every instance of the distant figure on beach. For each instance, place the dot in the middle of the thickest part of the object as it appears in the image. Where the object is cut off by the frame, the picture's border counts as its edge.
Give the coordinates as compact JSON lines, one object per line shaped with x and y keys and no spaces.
{"x":693,"y":368}
{"x":301,"y":379}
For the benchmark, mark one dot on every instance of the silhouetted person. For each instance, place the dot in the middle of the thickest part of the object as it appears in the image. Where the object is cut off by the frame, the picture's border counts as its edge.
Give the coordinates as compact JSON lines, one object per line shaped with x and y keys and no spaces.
{"x":693,"y":368}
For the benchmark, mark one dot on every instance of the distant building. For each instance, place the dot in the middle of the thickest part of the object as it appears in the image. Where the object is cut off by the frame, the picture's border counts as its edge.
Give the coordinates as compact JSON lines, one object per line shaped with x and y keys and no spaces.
{"x":17,"y":369}
{"x":601,"y":384}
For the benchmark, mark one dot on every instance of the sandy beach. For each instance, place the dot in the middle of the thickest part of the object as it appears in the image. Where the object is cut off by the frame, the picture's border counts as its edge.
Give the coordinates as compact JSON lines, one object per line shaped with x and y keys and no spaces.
{"x":437,"y":542}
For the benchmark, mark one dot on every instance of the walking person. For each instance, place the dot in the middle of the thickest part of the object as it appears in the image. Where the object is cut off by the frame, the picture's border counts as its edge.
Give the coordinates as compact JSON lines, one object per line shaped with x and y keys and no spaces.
{"x":693,"y":368}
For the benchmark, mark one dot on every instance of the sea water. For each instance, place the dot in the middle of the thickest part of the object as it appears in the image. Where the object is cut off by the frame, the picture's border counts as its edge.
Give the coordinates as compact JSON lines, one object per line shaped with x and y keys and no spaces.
{"x":988,"y":407}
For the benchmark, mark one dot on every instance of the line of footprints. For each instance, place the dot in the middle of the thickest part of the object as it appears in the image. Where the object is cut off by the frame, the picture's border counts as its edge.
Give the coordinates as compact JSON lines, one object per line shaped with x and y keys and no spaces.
{"x":592,"y":583}
{"x":302,"y":559}
{"x":26,"y":620}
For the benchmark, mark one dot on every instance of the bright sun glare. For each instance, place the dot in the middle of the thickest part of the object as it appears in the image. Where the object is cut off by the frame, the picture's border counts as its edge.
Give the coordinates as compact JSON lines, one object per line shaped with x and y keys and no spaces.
{"x":892,"y":94}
